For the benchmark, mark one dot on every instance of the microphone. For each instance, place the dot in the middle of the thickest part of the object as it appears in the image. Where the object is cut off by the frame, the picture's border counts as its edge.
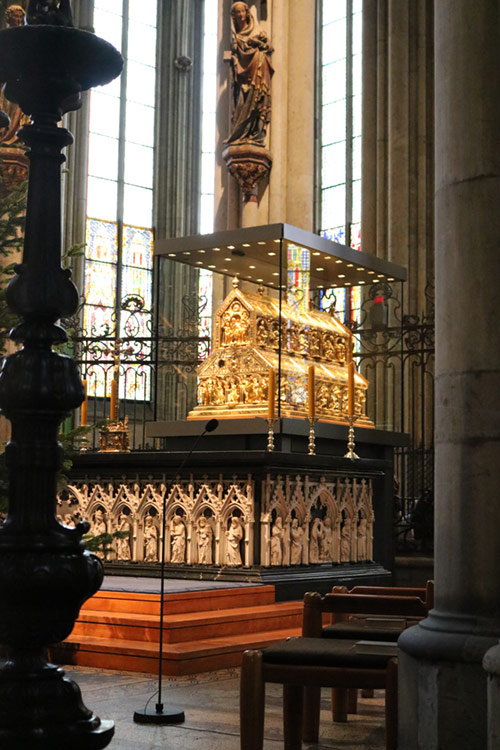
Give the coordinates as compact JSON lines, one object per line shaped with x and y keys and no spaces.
{"x":211,"y":425}
{"x":160,"y":715}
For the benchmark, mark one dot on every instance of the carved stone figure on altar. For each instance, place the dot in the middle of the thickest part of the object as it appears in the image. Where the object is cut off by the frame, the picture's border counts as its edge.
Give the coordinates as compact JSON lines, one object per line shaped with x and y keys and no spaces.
{"x":345,"y":541}
{"x":177,"y":539}
{"x":98,"y":523}
{"x":362,"y":539}
{"x":251,"y":72}
{"x":315,"y":541}
{"x":123,"y":544}
{"x":297,"y":541}
{"x":150,"y":540}
{"x":234,"y":535}
{"x":204,"y":537}
{"x":326,"y":541}
{"x":277,"y":542}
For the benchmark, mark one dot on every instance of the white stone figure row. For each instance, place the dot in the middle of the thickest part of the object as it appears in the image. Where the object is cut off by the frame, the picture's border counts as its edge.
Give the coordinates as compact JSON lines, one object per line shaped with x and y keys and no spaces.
{"x":204,"y":536}
{"x":211,"y":522}
{"x":321,"y":549}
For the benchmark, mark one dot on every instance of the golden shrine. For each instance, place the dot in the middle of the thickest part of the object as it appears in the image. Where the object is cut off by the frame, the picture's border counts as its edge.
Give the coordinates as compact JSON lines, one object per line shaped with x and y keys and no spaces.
{"x":248,"y":339}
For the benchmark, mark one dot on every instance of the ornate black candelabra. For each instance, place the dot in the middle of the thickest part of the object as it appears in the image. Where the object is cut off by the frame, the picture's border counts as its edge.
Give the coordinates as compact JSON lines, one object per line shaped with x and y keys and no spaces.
{"x":45,"y":572}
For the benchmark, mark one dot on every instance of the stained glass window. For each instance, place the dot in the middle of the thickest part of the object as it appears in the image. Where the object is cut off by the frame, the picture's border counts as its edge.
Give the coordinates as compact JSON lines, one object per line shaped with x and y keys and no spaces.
{"x":340,"y":142}
{"x":118,"y":255}
{"x":298,"y":281}
{"x":207,"y":187}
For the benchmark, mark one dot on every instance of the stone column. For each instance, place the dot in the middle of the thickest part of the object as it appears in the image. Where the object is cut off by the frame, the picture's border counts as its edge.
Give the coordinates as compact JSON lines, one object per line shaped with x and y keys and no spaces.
{"x":177,"y":184}
{"x":288,"y":196}
{"x":397,"y":139}
{"x":442,"y":683}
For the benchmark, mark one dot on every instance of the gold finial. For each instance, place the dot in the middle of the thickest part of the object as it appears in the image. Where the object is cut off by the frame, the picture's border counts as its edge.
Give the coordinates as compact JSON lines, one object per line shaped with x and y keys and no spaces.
{"x":236,"y":282}
{"x":261,"y":290}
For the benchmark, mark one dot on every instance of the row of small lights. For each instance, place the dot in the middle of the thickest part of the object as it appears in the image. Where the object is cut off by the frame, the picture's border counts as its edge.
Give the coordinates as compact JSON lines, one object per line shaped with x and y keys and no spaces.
{"x":247,"y":244}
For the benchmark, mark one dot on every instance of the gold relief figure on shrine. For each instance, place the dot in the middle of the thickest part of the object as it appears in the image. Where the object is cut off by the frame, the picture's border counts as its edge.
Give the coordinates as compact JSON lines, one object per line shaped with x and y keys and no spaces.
{"x":249,"y":342}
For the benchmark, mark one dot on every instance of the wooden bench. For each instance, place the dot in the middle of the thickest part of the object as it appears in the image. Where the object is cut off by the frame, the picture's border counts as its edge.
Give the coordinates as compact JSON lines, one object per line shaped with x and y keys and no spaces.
{"x":314,"y":661}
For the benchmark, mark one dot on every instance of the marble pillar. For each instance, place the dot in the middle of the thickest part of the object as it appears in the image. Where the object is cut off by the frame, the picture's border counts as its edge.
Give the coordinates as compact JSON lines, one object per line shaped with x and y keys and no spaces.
{"x":442,"y":683}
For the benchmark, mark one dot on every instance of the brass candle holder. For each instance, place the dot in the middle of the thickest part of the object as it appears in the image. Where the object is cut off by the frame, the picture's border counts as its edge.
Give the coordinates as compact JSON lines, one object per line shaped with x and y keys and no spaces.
{"x":350,"y":439}
{"x":311,"y":446}
{"x":270,"y":435}
{"x":113,"y":437}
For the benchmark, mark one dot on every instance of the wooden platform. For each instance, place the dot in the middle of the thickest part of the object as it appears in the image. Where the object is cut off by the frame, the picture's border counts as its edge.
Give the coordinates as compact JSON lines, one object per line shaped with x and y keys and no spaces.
{"x":203,"y":630}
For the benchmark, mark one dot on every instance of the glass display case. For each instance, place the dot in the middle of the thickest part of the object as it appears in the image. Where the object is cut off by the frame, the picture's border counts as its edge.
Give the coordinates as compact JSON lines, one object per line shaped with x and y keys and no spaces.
{"x":278,"y":347}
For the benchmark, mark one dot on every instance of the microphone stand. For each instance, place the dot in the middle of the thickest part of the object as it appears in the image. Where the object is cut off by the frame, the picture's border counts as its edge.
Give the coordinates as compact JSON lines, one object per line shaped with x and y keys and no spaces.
{"x":160,"y":715}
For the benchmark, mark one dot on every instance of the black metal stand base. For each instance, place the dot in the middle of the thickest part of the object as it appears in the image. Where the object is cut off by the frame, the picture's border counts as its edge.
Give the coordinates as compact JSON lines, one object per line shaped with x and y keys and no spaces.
{"x":162,"y":716}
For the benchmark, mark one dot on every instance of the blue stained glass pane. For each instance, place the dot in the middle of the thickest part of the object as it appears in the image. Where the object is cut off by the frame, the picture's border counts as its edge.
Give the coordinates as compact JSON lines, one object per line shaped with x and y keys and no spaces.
{"x":100,"y":283}
{"x":334,"y":41}
{"x":137,"y":208}
{"x":102,"y":198}
{"x":139,"y":165}
{"x":336,"y":234}
{"x":103,"y":156}
{"x":141,"y":82}
{"x":101,"y":241}
{"x":143,"y":10}
{"x":138,"y":247}
{"x":334,"y":81}
{"x":333,"y":164}
{"x":142,"y":44}
{"x":140,"y":124}
{"x":104,"y":113}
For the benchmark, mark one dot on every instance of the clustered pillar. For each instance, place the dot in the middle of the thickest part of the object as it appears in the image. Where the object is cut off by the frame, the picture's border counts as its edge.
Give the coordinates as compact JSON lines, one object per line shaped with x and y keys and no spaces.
{"x":443,"y":686}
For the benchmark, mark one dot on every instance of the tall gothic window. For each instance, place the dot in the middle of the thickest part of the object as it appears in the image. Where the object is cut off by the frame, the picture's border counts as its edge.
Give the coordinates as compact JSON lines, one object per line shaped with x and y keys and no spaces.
{"x":207,"y":187}
{"x":119,"y":237}
{"x":339,"y":148}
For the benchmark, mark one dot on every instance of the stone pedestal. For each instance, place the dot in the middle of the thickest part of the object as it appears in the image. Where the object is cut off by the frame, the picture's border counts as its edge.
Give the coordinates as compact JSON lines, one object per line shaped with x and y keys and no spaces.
{"x":443,"y":686}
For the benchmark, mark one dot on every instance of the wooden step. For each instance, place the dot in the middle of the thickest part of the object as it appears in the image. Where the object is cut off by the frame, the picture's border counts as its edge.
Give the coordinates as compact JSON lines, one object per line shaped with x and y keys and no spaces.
{"x":189,"y":626}
{"x":177,"y":658}
{"x":186,"y":601}
{"x":202,"y":630}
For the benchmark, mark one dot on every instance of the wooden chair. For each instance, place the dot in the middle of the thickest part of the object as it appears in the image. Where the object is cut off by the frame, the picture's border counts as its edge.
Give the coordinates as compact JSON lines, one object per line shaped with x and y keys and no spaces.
{"x":312,"y":662}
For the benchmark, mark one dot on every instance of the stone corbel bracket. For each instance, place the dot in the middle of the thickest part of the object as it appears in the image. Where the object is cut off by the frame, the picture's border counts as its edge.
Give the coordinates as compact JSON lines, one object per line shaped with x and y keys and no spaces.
{"x":249,"y":163}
